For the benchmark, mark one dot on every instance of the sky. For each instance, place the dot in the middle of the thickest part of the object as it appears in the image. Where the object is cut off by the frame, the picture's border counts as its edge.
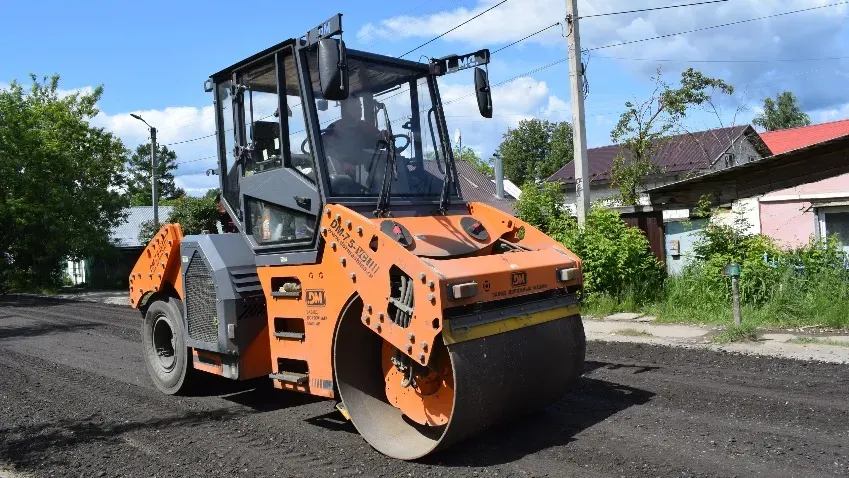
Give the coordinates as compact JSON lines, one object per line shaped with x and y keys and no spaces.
{"x":152,"y":57}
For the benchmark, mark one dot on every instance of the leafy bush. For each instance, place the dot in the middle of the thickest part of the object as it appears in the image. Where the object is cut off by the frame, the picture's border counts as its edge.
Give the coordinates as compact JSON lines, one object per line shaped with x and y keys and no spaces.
{"x":616,"y":258}
{"x":193,"y":214}
{"x":542,"y":206}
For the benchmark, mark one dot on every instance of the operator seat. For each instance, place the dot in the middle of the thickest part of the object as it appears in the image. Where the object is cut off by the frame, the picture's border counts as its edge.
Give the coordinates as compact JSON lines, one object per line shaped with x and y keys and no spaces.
{"x":266,"y":141}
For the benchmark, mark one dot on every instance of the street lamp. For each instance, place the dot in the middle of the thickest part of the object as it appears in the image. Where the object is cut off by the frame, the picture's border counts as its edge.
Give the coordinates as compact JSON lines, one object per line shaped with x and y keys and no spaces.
{"x":153,"y":178}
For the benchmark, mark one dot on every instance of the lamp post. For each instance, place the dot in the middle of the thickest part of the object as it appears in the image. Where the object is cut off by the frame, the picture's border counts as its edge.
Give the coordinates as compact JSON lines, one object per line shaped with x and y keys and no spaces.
{"x":153,"y":168}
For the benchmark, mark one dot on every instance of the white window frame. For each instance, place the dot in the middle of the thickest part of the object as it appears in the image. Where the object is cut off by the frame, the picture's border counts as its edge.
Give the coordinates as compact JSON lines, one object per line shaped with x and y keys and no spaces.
{"x":822,"y":230}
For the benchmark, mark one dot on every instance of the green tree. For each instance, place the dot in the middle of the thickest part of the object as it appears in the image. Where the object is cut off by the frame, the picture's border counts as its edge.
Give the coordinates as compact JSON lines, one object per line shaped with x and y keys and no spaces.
{"x":469,"y":156}
{"x":212,"y":193}
{"x":542,"y":206}
{"x":535,"y":150}
{"x":61,"y":177}
{"x":138,"y":175}
{"x":193,"y":214}
{"x":643,"y":128}
{"x":782,"y":113}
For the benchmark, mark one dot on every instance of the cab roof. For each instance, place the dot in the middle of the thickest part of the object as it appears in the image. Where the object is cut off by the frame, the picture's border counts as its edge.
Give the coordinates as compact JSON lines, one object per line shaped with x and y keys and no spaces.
{"x":226,"y":72}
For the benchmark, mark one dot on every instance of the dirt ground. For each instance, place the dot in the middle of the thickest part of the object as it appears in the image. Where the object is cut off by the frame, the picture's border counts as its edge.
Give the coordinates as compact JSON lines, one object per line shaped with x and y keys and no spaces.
{"x":75,"y":400}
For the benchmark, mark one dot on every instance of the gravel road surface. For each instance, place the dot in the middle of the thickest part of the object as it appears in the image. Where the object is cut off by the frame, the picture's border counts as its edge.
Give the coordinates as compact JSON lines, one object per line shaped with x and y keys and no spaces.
{"x":75,"y":400}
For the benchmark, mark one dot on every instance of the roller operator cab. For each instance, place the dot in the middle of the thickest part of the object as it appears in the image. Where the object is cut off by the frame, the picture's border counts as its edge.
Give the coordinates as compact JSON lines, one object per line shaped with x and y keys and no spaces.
{"x":359,"y":273}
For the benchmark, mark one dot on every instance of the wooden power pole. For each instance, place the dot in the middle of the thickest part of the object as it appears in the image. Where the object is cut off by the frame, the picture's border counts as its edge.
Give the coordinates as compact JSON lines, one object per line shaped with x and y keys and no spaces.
{"x":579,"y":130}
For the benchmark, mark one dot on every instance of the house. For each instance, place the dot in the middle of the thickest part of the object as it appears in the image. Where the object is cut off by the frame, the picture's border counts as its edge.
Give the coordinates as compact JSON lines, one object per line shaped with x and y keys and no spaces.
{"x":111,"y":269}
{"x":801,"y":191}
{"x":679,"y":157}
{"x":820,"y":208}
{"x":476,"y":186}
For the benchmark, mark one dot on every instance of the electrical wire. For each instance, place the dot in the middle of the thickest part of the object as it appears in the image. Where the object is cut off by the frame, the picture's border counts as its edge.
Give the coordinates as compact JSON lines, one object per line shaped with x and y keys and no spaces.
{"x":775,"y":60}
{"x":502,"y":2}
{"x":196,"y":160}
{"x":406,"y":27}
{"x":190,"y":140}
{"x":525,"y":38}
{"x":562,"y":60}
{"x":717,"y":26}
{"x":652,"y":9}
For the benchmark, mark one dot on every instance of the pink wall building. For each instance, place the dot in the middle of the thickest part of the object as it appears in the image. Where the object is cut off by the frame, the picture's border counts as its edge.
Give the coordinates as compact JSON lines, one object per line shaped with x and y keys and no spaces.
{"x":793,"y":215}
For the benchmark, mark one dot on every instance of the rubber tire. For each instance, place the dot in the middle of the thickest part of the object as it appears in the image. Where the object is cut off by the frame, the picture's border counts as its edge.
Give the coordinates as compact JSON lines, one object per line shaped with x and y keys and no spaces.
{"x":178,"y":380}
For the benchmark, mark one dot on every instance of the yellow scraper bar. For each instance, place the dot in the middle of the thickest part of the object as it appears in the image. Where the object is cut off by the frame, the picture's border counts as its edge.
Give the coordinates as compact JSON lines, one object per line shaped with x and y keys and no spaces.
{"x":506,"y":325}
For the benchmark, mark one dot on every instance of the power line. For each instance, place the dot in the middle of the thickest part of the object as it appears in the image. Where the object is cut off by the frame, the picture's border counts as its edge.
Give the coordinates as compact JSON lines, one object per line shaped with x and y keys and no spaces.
{"x":196,"y":160}
{"x":562,"y":60}
{"x":717,"y":26}
{"x":190,"y":140}
{"x":525,"y":38}
{"x":652,"y":9}
{"x":775,"y":60}
{"x":451,"y":30}
{"x":407,"y":27}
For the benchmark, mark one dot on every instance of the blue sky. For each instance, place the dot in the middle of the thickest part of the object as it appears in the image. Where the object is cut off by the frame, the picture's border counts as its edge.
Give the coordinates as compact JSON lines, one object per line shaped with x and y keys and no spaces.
{"x":152,"y":57}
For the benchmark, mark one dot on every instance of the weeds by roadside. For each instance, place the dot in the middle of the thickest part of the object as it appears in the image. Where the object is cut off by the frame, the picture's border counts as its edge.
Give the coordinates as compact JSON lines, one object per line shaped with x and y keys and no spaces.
{"x":817,"y":341}
{"x":744,"y":333}
{"x":632,"y":333}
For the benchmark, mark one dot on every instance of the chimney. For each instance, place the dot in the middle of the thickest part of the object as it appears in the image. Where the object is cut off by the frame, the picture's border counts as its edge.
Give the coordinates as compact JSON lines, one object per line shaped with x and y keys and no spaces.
{"x":499,"y":178}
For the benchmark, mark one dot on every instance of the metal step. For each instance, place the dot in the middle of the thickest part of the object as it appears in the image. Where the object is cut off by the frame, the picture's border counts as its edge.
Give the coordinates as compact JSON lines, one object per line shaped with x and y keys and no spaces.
{"x":290,"y":377}
{"x":290,"y":335}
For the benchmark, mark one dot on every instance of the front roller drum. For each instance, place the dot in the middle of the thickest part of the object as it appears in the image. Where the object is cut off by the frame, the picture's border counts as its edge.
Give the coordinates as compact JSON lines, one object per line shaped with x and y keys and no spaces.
{"x":490,"y":379}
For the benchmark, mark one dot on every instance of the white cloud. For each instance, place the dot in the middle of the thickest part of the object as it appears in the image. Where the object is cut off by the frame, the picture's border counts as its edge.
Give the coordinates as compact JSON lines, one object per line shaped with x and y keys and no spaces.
{"x":832,"y":114}
{"x":174,"y":125}
{"x":526,"y":98}
{"x":815,"y":33}
{"x":506,"y":23}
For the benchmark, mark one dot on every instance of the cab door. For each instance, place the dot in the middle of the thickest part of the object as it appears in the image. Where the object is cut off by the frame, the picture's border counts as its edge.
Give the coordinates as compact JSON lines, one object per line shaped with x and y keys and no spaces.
{"x":279,"y":197}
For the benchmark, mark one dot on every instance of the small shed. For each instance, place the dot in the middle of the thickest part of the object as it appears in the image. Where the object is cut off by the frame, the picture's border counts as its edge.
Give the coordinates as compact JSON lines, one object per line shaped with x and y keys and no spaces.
{"x":650,"y":221}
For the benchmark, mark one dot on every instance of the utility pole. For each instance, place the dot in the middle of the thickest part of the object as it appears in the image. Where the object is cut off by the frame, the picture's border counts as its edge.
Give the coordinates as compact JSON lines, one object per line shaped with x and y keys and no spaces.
{"x":579,"y":130}
{"x":154,"y":177}
{"x":154,"y":186}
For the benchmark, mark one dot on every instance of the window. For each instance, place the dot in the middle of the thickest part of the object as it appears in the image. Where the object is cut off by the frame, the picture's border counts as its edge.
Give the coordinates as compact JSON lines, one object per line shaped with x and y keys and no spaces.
{"x":262,"y":125}
{"x":834,"y":221}
{"x":355,"y":133}
{"x":229,"y":166}
{"x":270,"y":224}
{"x":299,"y":148}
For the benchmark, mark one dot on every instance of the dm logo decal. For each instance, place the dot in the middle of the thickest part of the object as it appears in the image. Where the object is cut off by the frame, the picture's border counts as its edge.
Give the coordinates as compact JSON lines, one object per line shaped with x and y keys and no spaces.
{"x":316,"y":298}
{"x":519,"y":279}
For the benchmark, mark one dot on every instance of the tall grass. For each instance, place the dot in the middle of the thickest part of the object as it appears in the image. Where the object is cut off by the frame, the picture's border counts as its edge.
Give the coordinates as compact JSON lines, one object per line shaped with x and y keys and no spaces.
{"x":817,"y":298}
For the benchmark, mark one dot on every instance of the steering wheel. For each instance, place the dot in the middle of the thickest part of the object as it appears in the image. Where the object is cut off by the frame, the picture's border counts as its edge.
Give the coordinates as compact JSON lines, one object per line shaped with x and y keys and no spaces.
{"x":399,"y":149}
{"x":307,"y":139}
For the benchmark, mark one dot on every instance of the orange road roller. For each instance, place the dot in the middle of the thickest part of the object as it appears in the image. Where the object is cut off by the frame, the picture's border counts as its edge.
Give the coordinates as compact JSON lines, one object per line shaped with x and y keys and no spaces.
{"x":358,"y":272}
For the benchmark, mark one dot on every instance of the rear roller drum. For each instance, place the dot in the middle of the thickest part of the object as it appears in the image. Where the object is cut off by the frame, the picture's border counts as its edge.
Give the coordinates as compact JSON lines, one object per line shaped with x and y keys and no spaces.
{"x":407,"y":411}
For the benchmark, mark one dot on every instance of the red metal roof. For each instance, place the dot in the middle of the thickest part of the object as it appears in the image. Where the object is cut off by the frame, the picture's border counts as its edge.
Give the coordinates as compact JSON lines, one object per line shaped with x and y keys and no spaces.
{"x":784,"y":140}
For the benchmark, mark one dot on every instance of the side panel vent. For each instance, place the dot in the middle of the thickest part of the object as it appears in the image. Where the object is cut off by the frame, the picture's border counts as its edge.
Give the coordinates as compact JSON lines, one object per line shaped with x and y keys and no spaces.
{"x":400,"y":297}
{"x":202,"y":315}
{"x":246,"y":283}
